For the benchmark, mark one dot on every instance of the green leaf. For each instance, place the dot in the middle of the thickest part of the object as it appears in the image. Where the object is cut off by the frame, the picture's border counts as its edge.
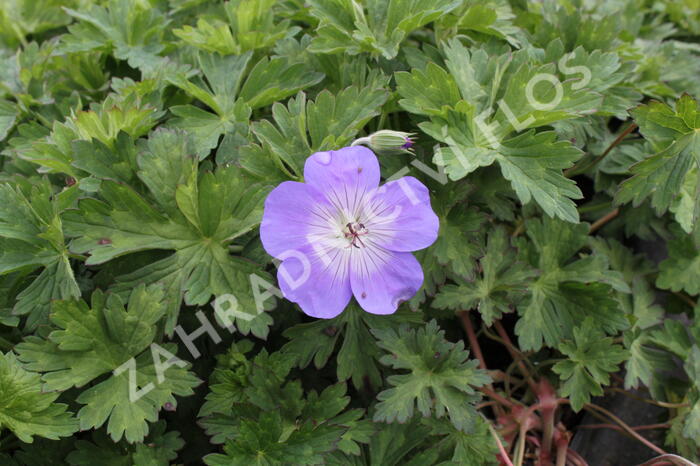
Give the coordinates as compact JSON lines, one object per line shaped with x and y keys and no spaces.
{"x":473,"y":448}
{"x":274,"y":79}
{"x":441,"y":378}
{"x":183,"y":219}
{"x":456,"y":250}
{"x":595,"y":29}
{"x":26,"y":409}
{"x":645,"y":359}
{"x":331,"y":122}
{"x":231,"y":96}
{"x":93,"y":341}
{"x":159,"y":449}
{"x":127,"y":28}
{"x":532,"y":162}
{"x":346,"y":27}
{"x":8,"y":116}
{"x":500,"y":97}
{"x":492,"y":18}
{"x":434,"y":274}
{"x":263,"y":417}
{"x":432,"y":91}
{"x":31,"y":237}
{"x":246,"y":25}
{"x":663,"y":176}
{"x":456,"y":246}
{"x":395,"y":441}
{"x":211,"y":36}
{"x":683,"y":206}
{"x":43,"y":452}
{"x":107,"y":126}
{"x":691,"y":427}
{"x":566,"y":291}
{"x":600,"y":72}
{"x":591,"y":359}
{"x":673,"y":337}
{"x":358,"y":353}
{"x":502,"y":281}
{"x":681,"y":270}
{"x":101,"y":161}
{"x":23,"y":18}
{"x":259,"y":443}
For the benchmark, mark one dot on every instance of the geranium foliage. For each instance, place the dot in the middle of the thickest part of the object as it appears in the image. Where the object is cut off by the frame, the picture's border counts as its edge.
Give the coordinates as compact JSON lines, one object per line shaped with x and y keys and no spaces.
{"x":158,"y":156}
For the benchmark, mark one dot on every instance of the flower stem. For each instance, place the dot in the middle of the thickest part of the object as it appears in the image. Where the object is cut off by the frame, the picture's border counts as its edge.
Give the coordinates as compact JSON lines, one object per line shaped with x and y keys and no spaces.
{"x":547,"y":435}
{"x":474,"y":344}
{"x":515,"y":354}
{"x":668,"y":459}
{"x":624,"y":426}
{"x":598,"y":224}
{"x":519,"y":229}
{"x":471,"y":335}
{"x":520,"y":446}
{"x":685,"y":298}
{"x":561,"y":456}
{"x":635,"y":428}
{"x":501,"y":450}
{"x":496,"y":397}
{"x":582,"y":166}
{"x":562,"y":442}
{"x":663,"y":404}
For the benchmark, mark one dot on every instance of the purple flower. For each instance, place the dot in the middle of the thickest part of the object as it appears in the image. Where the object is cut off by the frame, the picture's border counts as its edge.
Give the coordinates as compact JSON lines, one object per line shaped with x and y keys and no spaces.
{"x":340,"y":234}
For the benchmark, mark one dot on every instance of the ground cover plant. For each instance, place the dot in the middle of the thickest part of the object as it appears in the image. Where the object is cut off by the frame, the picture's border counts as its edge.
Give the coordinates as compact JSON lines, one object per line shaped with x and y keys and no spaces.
{"x":349,"y":232}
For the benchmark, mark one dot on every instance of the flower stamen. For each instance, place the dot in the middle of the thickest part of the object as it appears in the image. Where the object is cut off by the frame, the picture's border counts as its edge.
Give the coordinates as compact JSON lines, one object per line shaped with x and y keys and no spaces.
{"x":354,"y":232}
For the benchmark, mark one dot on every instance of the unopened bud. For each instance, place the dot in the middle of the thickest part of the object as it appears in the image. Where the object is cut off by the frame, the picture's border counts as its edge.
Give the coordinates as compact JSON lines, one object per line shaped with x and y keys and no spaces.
{"x":387,"y":141}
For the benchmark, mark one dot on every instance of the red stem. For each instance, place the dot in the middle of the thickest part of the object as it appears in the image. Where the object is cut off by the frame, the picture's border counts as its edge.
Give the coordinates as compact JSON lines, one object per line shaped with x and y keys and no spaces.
{"x":635,"y":428}
{"x":515,"y":354}
{"x":495,"y":396}
{"x":547,"y":434}
{"x":622,"y":424}
{"x":471,"y":335}
{"x":575,"y":458}
{"x":501,"y":450}
{"x":562,"y":442}
{"x":668,"y":459}
{"x":474,"y":344}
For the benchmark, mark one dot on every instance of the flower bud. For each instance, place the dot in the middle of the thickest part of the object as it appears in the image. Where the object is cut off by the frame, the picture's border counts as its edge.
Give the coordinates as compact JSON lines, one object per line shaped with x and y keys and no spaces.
{"x":387,"y":141}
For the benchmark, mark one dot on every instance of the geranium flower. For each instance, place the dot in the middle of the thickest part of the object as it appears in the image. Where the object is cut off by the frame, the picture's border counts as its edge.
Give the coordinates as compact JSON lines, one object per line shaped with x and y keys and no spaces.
{"x":339,"y":234}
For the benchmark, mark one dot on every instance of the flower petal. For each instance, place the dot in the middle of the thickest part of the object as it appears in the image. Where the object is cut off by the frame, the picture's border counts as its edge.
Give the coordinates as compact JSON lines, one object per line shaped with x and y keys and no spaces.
{"x":399,"y":216}
{"x":318,"y":282}
{"x":382,"y":279}
{"x":344,"y":175}
{"x":292,"y":212}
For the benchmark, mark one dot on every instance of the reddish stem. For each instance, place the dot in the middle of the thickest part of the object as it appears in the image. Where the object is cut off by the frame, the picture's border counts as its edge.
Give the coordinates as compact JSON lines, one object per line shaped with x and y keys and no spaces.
{"x":471,"y":335}
{"x":501,"y":450}
{"x":635,"y":428}
{"x":598,"y":224}
{"x":578,"y":169}
{"x":562,"y":442}
{"x":515,"y":354}
{"x":624,"y":426}
{"x":474,"y":344}
{"x":575,"y":458}
{"x":668,"y":459}
{"x":547,"y":434}
{"x":496,"y":397}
